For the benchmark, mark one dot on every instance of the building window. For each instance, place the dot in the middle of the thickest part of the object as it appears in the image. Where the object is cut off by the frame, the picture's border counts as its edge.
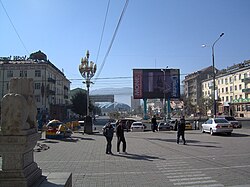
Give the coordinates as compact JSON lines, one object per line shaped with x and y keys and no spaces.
{"x":223,"y":99}
{"x":235,"y":97}
{"x":239,"y":76}
{"x":9,"y":73}
{"x":218,"y":82}
{"x":222,"y":81}
{"x":231,"y":98}
{"x":218,"y":91}
{"x":230,"y":79}
{"x":226,"y":82}
{"x":248,"y":107}
{"x":231,"y":89}
{"x":235,"y":87}
{"x":240,"y":96}
{"x":23,"y":73}
{"x":226,"y":89}
{"x":240,"y":87}
{"x":37,"y":86}
{"x":222,"y":90}
{"x":226,"y":98}
{"x":37,"y":73}
{"x":235,"y":78}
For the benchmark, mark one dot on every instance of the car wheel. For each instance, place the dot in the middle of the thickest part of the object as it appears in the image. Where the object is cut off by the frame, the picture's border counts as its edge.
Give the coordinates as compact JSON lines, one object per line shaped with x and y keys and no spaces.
{"x":171,"y":128}
{"x":211,"y":132}
{"x":229,"y":133}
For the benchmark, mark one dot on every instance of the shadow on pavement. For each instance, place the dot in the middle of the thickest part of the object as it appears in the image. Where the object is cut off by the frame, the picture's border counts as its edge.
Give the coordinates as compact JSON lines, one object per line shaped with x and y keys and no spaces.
{"x":189,"y":142}
{"x":139,"y":157}
{"x":208,"y":146}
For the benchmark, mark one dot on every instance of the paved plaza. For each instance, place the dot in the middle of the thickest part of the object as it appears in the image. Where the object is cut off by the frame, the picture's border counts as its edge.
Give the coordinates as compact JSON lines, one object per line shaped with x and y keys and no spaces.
{"x":152,"y":159}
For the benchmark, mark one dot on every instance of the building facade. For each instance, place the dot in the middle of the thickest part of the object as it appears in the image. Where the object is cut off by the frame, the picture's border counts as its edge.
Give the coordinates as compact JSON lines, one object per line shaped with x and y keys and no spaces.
{"x":51,"y":87}
{"x":233,"y":90}
{"x":192,"y":85}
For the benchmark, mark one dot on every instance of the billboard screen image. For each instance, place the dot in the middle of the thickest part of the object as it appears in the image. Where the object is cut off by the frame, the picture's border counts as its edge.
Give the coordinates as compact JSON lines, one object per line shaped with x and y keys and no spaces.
{"x":151,"y":83}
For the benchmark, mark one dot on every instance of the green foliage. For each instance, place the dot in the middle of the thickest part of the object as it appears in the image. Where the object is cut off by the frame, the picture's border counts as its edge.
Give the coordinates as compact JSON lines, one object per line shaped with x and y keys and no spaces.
{"x":79,"y":103}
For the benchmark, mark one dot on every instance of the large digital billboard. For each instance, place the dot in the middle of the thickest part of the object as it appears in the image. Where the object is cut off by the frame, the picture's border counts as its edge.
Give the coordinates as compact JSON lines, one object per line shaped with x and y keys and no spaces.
{"x":151,"y":83}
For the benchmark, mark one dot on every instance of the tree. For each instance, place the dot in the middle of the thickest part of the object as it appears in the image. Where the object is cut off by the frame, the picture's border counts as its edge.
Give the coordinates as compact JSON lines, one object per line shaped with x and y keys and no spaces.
{"x":79,"y":103}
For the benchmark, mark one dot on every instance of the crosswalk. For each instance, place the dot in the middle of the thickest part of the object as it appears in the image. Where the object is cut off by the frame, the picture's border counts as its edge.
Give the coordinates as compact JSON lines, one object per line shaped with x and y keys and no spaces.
{"x":180,"y":174}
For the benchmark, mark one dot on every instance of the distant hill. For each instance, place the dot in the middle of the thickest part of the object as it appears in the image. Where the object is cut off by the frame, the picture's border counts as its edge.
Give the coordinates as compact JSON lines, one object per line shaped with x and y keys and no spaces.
{"x":122,"y":95}
{"x":115,"y":91}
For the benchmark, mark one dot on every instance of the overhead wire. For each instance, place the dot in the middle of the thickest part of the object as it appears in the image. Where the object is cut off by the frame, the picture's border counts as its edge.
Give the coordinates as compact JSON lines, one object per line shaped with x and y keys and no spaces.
{"x":14,"y":28}
{"x":104,"y":24}
{"x":112,"y":40}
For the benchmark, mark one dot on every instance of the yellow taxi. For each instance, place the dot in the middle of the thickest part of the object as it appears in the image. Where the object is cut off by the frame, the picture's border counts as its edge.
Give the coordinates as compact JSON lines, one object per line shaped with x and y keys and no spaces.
{"x":188,"y":125}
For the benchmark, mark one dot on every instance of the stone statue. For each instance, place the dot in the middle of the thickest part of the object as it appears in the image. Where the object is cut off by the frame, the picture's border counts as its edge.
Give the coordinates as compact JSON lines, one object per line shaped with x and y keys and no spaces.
{"x":18,"y":108}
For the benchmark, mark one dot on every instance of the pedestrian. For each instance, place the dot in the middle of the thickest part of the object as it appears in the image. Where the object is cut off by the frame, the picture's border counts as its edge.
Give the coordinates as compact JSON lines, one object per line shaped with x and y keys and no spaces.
{"x":175,"y":124}
{"x":120,"y":137}
{"x":153,"y":123}
{"x":108,"y":132}
{"x":181,"y":130}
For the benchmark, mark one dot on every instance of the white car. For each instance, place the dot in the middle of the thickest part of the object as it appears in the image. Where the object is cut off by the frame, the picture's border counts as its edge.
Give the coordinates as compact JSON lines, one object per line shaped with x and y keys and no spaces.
{"x":137,"y":127}
{"x":217,"y":125}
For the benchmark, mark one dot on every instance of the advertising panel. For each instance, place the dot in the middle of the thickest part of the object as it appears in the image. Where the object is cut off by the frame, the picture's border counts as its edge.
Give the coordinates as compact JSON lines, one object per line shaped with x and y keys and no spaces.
{"x":152,"y":84}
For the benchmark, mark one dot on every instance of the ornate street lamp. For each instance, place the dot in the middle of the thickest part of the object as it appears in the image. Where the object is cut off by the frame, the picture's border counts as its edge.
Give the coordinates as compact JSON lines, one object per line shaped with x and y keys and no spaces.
{"x":87,"y":69}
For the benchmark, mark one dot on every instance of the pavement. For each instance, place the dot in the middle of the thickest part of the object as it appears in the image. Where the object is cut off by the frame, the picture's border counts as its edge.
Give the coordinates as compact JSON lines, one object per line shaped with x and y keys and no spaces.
{"x":84,"y":156}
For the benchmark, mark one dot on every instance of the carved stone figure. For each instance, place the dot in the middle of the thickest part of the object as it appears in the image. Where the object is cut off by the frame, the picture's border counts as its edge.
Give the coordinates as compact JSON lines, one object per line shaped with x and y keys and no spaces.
{"x":18,"y":108}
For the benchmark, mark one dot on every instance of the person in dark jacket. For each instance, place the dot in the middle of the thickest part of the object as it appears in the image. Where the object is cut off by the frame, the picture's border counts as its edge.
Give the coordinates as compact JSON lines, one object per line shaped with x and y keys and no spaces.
{"x":154,"y":123}
{"x":181,"y":130}
{"x":108,"y":132}
{"x":120,"y":137}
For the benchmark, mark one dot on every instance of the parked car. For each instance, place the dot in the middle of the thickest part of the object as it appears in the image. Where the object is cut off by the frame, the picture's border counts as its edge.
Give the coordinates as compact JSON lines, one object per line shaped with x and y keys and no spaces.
{"x":188,"y":125}
{"x":217,"y":125}
{"x":137,"y":127}
{"x":233,"y":121}
{"x":172,"y":125}
{"x":126,"y":122}
{"x":163,"y":126}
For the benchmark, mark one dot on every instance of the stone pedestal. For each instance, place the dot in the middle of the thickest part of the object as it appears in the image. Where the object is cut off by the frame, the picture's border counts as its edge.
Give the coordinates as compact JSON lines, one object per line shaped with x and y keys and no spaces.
{"x":18,"y":166}
{"x":88,"y":126}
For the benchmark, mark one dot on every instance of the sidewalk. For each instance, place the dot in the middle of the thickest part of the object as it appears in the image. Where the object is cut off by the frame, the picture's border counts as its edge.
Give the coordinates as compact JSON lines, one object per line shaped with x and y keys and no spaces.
{"x":85,"y":157}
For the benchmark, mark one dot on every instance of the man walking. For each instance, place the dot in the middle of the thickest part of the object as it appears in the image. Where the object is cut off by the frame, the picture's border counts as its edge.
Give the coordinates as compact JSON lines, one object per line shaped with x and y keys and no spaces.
{"x":108,"y":132}
{"x":154,"y":123}
{"x":120,"y":137}
{"x":181,"y":130}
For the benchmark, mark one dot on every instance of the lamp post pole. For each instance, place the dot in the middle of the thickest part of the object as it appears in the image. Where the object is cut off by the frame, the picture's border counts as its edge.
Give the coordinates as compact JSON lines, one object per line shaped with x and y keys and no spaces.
{"x":87,"y":69}
{"x":214,"y":100}
{"x":164,"y":91}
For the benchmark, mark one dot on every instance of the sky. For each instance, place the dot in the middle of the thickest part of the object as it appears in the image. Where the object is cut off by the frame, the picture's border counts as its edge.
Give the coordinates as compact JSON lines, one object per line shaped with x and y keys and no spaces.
{"x":151,"y":34}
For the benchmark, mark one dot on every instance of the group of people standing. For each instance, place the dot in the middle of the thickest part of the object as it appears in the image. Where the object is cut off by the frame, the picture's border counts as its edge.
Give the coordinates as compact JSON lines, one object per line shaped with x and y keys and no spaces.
{"x":108,"y":132}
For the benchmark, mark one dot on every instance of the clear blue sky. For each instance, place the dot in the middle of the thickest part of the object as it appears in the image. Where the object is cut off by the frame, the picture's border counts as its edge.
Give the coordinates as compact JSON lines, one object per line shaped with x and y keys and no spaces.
{"x":152,"y":34}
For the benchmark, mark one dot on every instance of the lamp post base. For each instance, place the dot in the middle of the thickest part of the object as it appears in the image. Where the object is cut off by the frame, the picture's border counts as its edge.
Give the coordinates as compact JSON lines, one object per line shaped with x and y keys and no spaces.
{"x":88,"y":126}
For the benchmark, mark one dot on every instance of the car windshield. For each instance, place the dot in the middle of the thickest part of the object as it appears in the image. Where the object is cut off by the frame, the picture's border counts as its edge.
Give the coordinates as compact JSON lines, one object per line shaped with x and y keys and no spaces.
{"x":137,"y":124}
{"x":230,"y":118}
{"x":220,"y":121}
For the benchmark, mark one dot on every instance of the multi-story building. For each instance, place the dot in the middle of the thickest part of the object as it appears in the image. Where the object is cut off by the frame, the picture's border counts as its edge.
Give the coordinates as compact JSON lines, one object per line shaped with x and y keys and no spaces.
{"x":51,"y":87}
{"x":192,"y":85}
{"x":233,"y":90}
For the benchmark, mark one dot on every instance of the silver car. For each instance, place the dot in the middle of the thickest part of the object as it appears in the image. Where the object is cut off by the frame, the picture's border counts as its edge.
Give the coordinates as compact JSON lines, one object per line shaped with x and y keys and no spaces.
{"x":217,"y":125}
